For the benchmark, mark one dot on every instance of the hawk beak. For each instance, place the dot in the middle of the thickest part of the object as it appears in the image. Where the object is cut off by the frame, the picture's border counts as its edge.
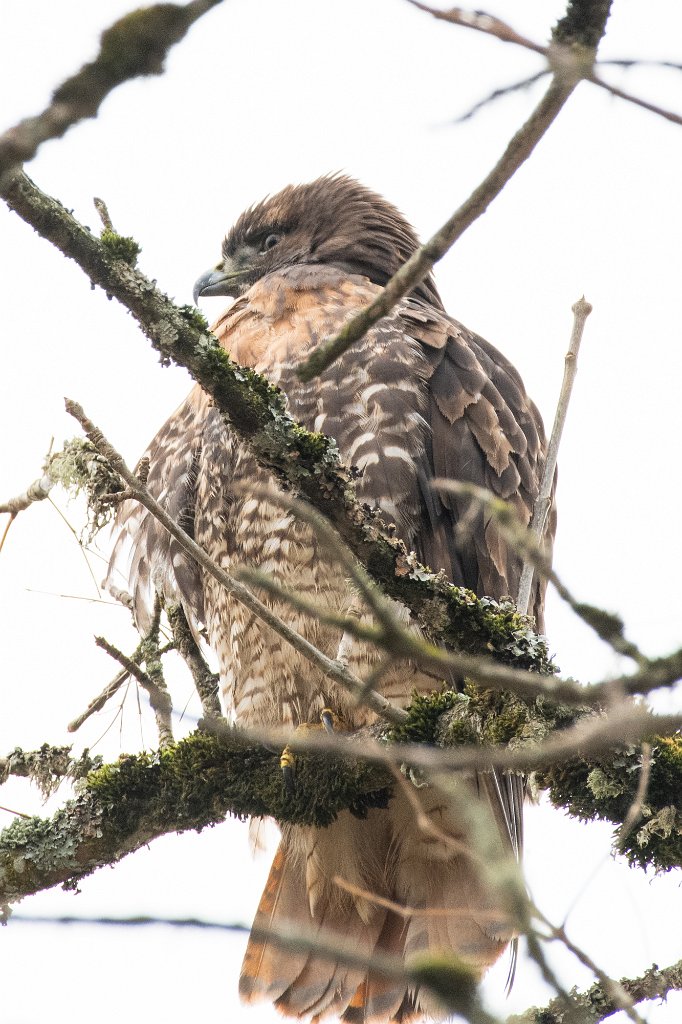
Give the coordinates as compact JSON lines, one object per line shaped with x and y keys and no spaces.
{"x":217,"y":282}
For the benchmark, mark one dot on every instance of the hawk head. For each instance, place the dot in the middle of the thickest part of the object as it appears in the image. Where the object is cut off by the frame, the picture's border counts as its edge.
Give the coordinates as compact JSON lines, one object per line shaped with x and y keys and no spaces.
{"x":334,"y":221}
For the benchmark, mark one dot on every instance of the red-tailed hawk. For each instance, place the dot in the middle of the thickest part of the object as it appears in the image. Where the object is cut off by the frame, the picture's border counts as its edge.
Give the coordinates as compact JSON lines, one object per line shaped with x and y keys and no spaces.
{"x":418,"y":397}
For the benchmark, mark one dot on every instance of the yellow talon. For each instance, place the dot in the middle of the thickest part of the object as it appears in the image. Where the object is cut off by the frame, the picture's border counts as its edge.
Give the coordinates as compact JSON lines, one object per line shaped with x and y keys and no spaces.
{"x":329,"y":721}
{"x":287,"y":763}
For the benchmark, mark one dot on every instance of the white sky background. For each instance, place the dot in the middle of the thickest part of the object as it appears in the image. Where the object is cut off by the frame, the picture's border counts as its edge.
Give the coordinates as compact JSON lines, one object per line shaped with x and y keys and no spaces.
{"x":261,"y":94}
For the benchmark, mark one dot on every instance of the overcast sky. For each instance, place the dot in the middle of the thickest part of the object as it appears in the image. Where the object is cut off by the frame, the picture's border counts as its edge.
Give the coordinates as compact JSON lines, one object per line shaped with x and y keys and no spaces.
{"x":262,"y":93}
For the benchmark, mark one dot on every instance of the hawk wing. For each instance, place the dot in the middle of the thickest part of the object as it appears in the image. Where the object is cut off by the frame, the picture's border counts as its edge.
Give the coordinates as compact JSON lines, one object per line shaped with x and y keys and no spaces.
{"x":484,"y":430}
{"x":145,"y":556}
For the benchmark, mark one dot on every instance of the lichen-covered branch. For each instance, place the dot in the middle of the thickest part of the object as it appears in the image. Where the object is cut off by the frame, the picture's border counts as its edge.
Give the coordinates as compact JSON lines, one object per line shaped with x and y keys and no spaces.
{"x":205,"y":681}
{"x":595,"y":1005}
{"x":193,"y":784}
{"x":48,"y":766}
{"x":197,"y":781}
{"x":309,"y":462}
{"x":135,"y":45}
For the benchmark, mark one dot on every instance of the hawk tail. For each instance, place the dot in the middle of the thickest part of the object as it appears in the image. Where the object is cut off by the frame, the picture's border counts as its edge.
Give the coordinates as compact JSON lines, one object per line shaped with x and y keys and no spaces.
{"x":391,"y":855}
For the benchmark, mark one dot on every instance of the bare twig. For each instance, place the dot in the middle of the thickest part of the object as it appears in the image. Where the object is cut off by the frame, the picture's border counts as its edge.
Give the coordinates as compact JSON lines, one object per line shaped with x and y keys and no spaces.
{"x":560,"y":59}
{"x":481,"y":22}
{"x":122,"y":596}
{"x":205,"y":681}
{"x":103,"y":212}
{"x":590,"y":737}
{"x":135,"y":45}
{"x":635,"y":810}
{"x":158,"y":694}
{"x":581,"y":311}
{"x":653,"y":674}
{"x":5,"y":532}
{"x":618,"y":996}
{"x":17,"y":814}
{"x":496,"y":94}
{"x":37,"y":491}
{"x":403,"y":910}
{"x":391,"y":627}
{"x":606,"y":625}
{"x":97,"y":703}
{"x":653,"y":108}
{"x":421,"y":262}
{"x":333,"y":669}
{"x":448,"y":979}
{"x":112,"y":687}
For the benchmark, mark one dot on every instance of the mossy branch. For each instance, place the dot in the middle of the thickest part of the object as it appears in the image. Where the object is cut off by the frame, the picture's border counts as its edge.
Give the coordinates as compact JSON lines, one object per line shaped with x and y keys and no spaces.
{"x":196,"y":782}
{"x":306,"y":461}
{"x":190,"y":785}
{"x":134,"y":46}
{"x":595,"y":1005}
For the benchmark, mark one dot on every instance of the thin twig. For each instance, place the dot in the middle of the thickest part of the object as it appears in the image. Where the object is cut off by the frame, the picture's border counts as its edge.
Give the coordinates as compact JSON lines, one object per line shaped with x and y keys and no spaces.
{"x":404,"y":910}
{"x":382,"y":607}
{"x":112,"y":687}
{"x":581,"y":310}
{"x":560,"y":58}
{"x":5,"y":532}
{"x":37,"y":491}
{"x":98,"y":702}
{"x":440,"y":978}
{"x":103,"y":212}
{"x":421,"y":262}
{"x":591,"y":736}
{"x":333,"y":669}
{"x":635,"y":809}
{"x":653,"y":108}
{"x":158,"y":696}
{"x":606,"y":625}
{"x":496,"y":94}
{"x":205,"y":681}
{"x":481,"y":22}
{"x":615,"y":991}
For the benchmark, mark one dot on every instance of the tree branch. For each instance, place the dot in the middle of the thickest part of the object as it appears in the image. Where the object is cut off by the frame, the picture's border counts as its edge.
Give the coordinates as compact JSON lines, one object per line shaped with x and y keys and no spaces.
{"x":581,"y":311}
{"x":134,"y":46}
{"x":197,"y":781}
{"x":308,"y":462}
{"x":138,"y":491}
{"x":595,"y":1004}
{"x":446,"y":976}
{"x":422,"y":261}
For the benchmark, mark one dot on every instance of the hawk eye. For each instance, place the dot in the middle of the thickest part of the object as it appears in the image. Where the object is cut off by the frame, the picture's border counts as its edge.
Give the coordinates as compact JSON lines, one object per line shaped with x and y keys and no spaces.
{"x":269,"y":243}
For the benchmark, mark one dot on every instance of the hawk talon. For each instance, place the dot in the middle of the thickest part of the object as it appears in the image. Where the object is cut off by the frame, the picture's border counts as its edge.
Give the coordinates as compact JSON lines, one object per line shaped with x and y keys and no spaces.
{"x":329,"y":720}
{"x":287,"y":761}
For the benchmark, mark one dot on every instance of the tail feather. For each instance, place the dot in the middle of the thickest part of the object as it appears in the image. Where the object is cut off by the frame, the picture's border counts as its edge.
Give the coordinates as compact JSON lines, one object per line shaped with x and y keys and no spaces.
{"x":379,"y":998}
{"x":266,"y":971}
{"x":300,"y":893}
{"x":392,"y":855}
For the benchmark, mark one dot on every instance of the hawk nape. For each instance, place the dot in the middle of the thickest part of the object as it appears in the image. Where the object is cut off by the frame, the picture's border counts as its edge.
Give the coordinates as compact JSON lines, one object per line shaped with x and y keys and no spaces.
{"x":418,"y":397}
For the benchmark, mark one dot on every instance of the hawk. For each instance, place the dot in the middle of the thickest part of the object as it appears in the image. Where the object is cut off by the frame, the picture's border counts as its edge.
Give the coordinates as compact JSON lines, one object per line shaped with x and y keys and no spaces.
{"x":419,"y":397}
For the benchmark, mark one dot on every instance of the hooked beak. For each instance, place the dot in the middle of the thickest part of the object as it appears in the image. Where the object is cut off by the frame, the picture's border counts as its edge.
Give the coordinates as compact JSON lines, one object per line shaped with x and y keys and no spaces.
{"x":217,"y":282}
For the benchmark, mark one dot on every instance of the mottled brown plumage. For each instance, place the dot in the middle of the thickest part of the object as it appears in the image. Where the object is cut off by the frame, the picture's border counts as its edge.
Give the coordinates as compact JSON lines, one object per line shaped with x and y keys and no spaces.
{"x":418,"y":397}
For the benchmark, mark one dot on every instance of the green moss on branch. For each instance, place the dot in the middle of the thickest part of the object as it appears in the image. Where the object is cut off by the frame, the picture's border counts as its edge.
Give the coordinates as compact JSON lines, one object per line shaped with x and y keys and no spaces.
{"x":123,"y":806}
{"x":605,"y":788}
{"x":199,"y":780}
